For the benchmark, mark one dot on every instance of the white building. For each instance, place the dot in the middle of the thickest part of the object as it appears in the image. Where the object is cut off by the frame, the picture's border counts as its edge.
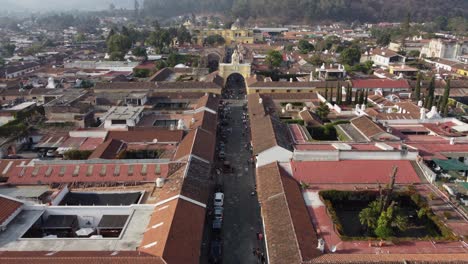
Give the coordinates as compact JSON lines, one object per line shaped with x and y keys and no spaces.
{"x":445,"y":49}
{"x":122,"y":117}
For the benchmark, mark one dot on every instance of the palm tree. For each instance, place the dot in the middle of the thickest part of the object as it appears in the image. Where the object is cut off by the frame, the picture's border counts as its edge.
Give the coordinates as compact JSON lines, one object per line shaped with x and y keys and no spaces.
{"x":367,"y":218}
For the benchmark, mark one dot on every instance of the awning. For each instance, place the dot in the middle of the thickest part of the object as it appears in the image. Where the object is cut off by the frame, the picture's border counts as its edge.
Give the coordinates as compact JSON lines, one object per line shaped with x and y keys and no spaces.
{"x":451,"y":164}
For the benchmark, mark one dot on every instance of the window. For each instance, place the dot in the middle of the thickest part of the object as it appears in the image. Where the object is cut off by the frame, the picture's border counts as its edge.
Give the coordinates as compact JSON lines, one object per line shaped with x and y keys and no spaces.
{"x":257,"y":91}
{"x":298,"y":90}
{"x":272,"y":91}
{"x":288,"y":91}
{"x":119,"y":122}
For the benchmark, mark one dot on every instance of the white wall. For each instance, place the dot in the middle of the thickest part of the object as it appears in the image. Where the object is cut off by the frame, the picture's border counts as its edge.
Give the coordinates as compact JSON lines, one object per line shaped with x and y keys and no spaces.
{"x":273,"y":154}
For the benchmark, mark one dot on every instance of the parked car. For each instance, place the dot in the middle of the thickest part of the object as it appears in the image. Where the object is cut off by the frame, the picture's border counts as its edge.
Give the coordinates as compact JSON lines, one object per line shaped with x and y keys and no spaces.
{"x":222,"y":155}
{"x":217,"y":224}
{"x":218,"y":213}
{"x":216,"y":251}
{"x":219,"y":199}
{"x":50,"y":153}
{"x":227,"y":168}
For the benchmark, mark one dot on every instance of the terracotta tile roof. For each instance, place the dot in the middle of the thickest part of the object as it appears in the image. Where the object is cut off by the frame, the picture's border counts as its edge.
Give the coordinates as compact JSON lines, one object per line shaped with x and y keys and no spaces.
{"x":78,"y":257}
{"x":309,"y":118}
{"x":267,"y":132}
{"x":124,"y":86}
{"x":210,"y":101}
{"x":392,"y":258}
{"x":7,"y":208}
{"x":384,"y":52}
{"x":411,"y":109}
{"x":115,"y":171}
{"x":291,"y":96}
{"x":8,"y":164}
{"x":110,"y":149}
{"x":175,"y":232}
{"x":305,"y":85}
{"x":367,"y":127}
{"x":205,"y":120}
{"x":91,"y":143}
{"x":380,"y":83}
{"x":198,"y":181}
{"x":146,"y":135}
{"x":255,"y":108}
{"x":186,"y":85}
{"x":197,"y":142}
{"x":289,"y":232}
{"x":353,"y":171}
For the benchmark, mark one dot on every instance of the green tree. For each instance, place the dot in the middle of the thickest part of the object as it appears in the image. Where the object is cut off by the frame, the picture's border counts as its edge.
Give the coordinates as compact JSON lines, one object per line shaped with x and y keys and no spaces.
{"x":326,"y":93}
{"x":214,"y":40}
{"x":316,"y":60}
{"x":366,"y":96}
{"x":80,"y":37}
{"x":384,"y":229}
{"x":417,"y":89}
{"x":356,"y":97}
{"x":322,"y":111}
{"x":2,"y":61}
{"x":361,"y":97}
{"x":8,"y":49}
{"x":349,"y":94}
{"x":118,"y":45}
{"x":429,"y":101}
{"x":160,"y":65}
{"x":445,"y":97}
{"x":139,"y":52}
{"x":339,"y":94}
{"x":274,"y":59}
{"x":369,"y":215}
{"x":458,"y":25}
{"x":350,"y":55}
{"x":183,"y":35}
{"x":305,"y":46}
{"x":441,"y":22}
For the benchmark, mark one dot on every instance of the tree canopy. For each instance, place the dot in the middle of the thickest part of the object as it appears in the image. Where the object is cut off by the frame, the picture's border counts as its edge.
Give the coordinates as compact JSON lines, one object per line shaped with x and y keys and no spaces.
{"x":274,"y":59}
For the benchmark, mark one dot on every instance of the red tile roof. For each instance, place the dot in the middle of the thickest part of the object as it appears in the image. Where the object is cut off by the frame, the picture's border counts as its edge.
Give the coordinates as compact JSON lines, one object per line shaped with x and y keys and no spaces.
{"x":353,"y":171}
{"x":288,"y":228}
{"x":87,"y":172}
{"x":108,"y":150}
{"x":197,"y":142}
{"x":147,"y":135}
{"x":7,"y":208}
{"x":175,"y":232}
{"x":78,"y":257}
{"x":380,"y":83}
{"x":392,"y":258}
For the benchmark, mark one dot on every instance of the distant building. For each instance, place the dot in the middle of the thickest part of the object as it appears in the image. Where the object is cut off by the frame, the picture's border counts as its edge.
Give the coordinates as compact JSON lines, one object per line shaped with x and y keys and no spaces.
{"x":383,"y":57}
{"x":244,"y":36}
{"x":122,"y":117}
{"x":445,"y":49}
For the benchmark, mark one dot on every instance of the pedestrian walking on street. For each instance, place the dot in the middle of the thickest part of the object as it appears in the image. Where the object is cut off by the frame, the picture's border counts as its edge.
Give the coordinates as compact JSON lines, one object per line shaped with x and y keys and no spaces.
{"x":259,"y":236}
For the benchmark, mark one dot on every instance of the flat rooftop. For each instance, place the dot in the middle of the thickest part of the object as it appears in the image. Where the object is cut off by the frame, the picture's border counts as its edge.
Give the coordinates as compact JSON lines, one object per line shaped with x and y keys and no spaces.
{"x":123,"y":113}
{"x":10,"y":239}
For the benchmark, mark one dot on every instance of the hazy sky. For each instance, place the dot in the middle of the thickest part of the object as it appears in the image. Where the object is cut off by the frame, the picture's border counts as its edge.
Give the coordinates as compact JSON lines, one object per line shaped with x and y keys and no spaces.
{"x":48,"y":5}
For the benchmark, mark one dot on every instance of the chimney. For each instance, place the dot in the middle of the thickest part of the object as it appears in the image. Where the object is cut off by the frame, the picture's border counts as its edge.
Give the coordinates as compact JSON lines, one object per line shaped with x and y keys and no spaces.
{"x":452,"y":141}
{"x":159,"y":182}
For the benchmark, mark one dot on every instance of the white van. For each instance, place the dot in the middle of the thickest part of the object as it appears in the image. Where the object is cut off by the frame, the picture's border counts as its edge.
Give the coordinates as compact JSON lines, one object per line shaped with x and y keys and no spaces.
{"x":219,"y":199}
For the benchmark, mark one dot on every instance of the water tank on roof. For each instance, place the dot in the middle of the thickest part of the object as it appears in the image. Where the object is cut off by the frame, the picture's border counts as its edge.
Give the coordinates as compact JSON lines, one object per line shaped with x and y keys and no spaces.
{"x":159,"y":182}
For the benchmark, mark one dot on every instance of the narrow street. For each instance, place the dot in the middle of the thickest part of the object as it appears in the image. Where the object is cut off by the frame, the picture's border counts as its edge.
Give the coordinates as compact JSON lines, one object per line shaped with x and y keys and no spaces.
{"x":242,"y":219}
{"x":242,"y":212}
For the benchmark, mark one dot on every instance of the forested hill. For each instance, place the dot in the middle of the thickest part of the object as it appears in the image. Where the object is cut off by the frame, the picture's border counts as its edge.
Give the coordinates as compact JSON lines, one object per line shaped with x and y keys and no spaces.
{"x":285,"y":11}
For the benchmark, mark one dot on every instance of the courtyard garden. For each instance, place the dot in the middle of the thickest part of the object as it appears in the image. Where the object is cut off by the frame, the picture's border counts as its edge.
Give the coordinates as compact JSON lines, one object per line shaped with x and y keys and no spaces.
{"x":384,"y":214}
